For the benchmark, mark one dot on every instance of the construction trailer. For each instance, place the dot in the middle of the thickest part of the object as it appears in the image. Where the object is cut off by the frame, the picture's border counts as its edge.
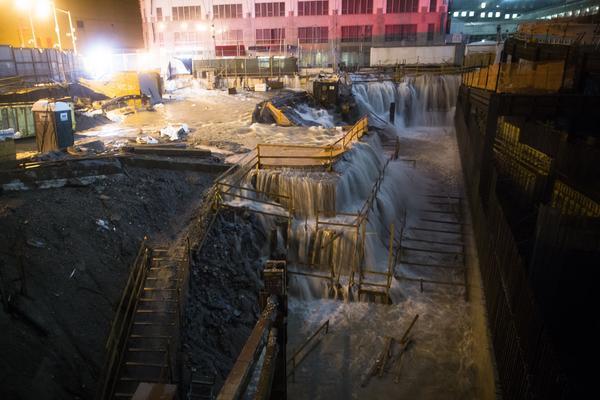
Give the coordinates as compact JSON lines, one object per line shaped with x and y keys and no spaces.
{"x":243,"y":72}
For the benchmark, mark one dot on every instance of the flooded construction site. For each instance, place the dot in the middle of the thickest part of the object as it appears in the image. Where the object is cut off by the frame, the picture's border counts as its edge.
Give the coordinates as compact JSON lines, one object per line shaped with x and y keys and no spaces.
{"x":365,"y":209}
{"x":243,"y":227}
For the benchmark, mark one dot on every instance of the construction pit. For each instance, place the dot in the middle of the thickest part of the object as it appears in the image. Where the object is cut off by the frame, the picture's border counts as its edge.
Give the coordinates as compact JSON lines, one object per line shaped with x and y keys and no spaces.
{"x":152,"y":272}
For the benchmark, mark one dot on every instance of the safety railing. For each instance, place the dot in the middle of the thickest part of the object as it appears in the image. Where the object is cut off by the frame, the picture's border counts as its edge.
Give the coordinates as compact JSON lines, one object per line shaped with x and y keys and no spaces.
{"x":383,"y":288}
{"x":295,"y":155}
{"x":121,"y":325}
{"x":299,"y":355}
{"x":354,"y":134}
{"x":402,"y":71}
{"x":357,"y":223}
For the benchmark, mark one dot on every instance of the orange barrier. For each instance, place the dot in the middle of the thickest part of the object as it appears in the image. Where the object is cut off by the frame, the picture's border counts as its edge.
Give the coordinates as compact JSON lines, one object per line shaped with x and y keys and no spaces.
{"x":518,"y":78}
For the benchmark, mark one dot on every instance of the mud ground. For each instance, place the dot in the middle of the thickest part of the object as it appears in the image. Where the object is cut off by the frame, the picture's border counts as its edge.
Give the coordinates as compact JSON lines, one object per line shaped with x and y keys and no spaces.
{"x":223,"y":305}
{"x":64,"y":260}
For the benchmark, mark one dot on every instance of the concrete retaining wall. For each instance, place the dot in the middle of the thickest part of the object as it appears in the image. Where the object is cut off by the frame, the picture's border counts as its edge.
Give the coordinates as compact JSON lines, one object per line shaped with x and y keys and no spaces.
{"x":414,"y":55}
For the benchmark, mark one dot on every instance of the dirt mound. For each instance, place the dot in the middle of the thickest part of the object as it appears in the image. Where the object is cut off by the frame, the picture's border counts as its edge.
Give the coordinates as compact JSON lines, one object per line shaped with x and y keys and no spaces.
{"x":223,"y":299}
{"x":88,"y":121}
{"x":64,"y":260}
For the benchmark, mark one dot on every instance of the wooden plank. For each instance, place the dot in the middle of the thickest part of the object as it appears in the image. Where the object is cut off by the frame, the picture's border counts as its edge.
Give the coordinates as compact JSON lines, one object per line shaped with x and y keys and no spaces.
{"x":237,"y":380}
{"x":168,"y":151}
{"x":378,"y":365}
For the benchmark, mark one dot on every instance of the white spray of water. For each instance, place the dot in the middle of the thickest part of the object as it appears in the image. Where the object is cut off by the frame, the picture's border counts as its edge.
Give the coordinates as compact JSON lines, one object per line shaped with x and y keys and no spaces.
{"x":332,"y":249}
{"x":425,"y":100}
{"x":315,"y":116}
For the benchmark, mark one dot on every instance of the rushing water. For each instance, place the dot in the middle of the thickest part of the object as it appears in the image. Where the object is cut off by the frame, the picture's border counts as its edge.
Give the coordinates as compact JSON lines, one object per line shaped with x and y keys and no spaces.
{"x":441,"y":364}
{"x":425,"y":100}
{"x":341,"y":240}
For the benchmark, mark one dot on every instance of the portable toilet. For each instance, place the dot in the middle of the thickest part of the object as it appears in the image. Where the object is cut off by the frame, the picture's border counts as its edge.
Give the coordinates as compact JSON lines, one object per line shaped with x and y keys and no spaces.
{"x":53,"y":125}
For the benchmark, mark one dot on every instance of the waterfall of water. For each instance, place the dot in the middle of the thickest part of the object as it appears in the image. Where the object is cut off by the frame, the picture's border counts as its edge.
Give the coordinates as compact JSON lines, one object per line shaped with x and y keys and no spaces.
{"x":334,"y":249}
{"x":305,"y":192}
{"x":424,"y":100}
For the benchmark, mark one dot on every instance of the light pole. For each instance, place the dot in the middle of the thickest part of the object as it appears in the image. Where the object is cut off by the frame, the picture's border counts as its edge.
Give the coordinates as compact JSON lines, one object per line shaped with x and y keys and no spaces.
{"x":56,"y":26}
{"x":25,"y":5}
{"x":43,"y":8}
{"x":71,"y":28}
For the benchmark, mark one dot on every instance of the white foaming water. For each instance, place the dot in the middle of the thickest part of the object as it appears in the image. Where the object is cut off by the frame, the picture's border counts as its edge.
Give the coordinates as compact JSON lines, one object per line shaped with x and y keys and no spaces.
{"x":316,"y":116}
{"x":444,"y":359}
{"x":425,"y":100}
{"x":332,"y":247}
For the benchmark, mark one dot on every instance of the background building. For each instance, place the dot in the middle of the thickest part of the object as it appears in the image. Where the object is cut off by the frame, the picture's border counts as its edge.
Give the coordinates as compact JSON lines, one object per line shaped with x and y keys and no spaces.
{"x":480,"y":19}
{"x":318,"y":32}
{"x":111,"y":24}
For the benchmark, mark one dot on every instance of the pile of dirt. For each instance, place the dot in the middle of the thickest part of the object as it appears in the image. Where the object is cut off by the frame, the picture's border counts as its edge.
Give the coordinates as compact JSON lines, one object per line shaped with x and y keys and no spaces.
{"x":85,"y":121}
{"x":64,"y":260}
{"x":222,"y":307}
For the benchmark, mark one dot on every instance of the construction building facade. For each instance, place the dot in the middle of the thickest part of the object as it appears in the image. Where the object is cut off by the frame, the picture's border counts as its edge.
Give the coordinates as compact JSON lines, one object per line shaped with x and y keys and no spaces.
{"x":319,"y":32}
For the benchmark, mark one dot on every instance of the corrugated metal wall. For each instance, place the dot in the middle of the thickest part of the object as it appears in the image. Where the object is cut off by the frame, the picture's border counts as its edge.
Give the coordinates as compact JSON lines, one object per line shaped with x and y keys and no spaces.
{"x":38,"y":65}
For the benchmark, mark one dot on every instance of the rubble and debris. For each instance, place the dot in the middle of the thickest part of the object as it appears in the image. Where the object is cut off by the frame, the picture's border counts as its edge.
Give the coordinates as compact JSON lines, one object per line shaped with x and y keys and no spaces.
{"x":35,"y":242}
{"x":146,"y":139}
{"x":104,"y":224}
{"x":175,"y":132}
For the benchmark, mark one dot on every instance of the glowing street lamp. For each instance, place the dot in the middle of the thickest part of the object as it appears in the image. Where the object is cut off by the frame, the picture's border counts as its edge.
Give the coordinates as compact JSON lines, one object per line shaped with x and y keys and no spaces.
{"x":42,"y":10}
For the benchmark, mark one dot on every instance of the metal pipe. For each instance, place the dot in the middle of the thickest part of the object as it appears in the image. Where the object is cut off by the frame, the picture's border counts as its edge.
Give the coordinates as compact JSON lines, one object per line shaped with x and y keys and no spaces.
{"x":32,"y":31}
{"x":56,"y":26}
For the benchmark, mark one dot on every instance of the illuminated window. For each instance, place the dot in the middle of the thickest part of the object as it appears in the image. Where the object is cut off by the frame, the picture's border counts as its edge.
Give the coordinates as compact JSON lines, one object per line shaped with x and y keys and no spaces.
{"x":357,"y":33}
{"x":184,"y":13}
{"x":497,"y":14}
{"x":490,"y":14}
{"x":455,"y":14}
{"x":471,"y":13}
{"x":270,"y":36}
{"x":186,"y":38}
{"x":357,"y":6}
{"x":269,"y":9}
{"x":396,"y":33}
{"x":463,"y":14}
{"x":506,"y":16}
{"x":227,"y":11}
{"x":313,"y":34}
{"x":482,"y":15}
{"x":402,"y":6}
{"x":313,"y":8}
{"x":230,"y":35}
{"x":515,"y":15}
{"x":483,"y":4}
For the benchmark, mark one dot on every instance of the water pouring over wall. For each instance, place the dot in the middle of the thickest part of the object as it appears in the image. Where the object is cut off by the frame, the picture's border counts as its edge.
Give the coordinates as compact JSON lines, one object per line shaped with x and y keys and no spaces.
{"x":424,"y":100}
{"x":356,"y":236}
